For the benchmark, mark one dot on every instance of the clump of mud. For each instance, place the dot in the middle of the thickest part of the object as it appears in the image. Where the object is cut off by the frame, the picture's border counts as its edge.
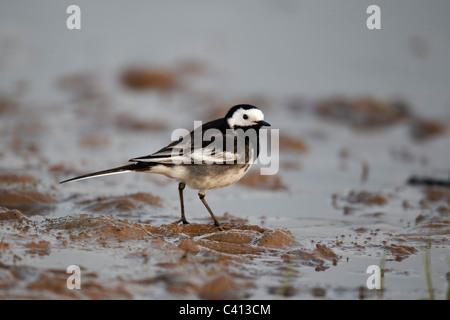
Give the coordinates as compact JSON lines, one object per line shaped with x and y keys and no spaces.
{"x":425,"y":129}
{"x":127,"y":122}
{"x":263,"y":182}
{"x":359,"y":200}
{"x":293,"y":144}
{"x":8,"y":214}
{"x":363,"y":113}
{"x":24,"y":192}
{"x":232,"y":238}
{"x":83,"y":86}
{"x":150,"y":79}
{"x":121,"y":204}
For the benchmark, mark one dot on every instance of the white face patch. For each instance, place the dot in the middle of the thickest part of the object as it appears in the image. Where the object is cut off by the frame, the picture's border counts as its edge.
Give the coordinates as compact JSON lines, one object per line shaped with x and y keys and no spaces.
{"x":245,"y":118}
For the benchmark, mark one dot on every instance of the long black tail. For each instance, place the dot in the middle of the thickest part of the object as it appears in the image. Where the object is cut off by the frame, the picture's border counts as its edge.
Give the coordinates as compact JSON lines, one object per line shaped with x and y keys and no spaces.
{"x":138,"y":166}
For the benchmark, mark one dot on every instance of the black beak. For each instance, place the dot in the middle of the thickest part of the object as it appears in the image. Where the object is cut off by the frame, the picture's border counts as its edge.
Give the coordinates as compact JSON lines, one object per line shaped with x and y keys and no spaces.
{"x":263,"y":123}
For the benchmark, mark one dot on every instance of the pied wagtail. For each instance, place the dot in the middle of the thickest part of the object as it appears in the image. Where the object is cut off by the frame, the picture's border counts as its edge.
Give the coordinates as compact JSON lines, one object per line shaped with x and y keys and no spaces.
{"x":201,"y":159}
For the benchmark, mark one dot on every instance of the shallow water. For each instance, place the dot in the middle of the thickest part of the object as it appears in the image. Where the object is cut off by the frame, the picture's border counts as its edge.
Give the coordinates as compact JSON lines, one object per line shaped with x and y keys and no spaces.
{"x":339,"y":203}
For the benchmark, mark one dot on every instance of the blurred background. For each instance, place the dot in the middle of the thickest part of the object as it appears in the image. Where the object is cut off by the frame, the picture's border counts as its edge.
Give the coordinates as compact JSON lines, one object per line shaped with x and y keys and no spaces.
{"x":359,"y":112}
{"x":281,"y":48}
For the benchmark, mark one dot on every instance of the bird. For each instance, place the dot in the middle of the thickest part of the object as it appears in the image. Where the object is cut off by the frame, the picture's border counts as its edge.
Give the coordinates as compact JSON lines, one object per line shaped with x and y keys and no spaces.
{"x":212,"y":156}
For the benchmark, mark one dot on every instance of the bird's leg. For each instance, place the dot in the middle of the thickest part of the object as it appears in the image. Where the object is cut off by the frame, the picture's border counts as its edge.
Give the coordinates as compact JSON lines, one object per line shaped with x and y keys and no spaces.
{"x":181,"y":187}
{"x":201,"y":195}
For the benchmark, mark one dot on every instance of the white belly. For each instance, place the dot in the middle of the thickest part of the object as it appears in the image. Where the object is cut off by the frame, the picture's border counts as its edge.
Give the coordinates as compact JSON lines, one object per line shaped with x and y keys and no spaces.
{"x":204,"y":177}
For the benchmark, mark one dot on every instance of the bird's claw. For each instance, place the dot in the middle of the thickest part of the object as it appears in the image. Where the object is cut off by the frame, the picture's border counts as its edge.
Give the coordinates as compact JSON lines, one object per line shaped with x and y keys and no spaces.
{"x":181,"y":220}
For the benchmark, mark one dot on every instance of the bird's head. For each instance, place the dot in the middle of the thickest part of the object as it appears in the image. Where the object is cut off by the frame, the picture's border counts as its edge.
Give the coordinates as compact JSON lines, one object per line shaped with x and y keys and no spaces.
{"x":245,"y":116}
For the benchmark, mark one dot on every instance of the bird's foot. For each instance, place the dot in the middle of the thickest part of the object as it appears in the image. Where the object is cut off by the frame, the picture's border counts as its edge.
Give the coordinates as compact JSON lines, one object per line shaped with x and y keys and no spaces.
{"x":181,"y":220}
{"x":218,"y":226}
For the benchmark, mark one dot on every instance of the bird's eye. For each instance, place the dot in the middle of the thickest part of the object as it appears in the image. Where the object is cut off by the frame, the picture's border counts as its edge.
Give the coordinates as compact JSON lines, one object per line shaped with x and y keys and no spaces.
{"x":245,"y":117}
